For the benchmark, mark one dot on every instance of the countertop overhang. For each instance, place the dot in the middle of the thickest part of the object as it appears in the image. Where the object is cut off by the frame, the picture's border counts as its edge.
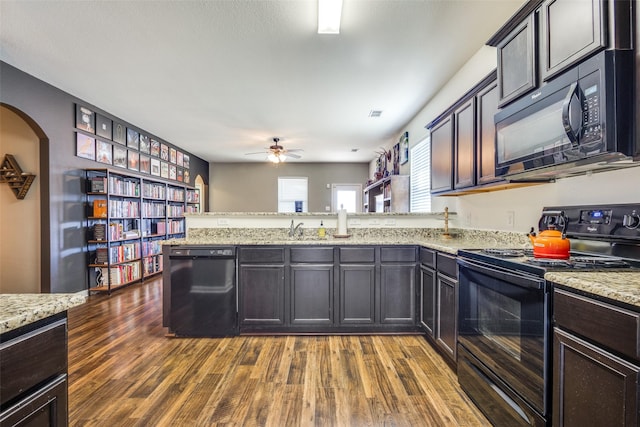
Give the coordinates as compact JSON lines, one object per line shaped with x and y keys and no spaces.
{"x":18,"y":310}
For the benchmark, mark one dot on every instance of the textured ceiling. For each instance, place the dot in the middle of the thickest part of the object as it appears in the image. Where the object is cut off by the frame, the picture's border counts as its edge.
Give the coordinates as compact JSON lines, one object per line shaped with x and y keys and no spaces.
{"x":220,"y":78}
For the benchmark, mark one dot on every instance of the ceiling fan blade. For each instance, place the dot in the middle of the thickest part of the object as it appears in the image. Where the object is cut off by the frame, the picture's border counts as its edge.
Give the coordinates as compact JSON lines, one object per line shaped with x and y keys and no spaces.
{"x":293,"y":156}
{"x":293,"y":150}
{"x":257,"y":152}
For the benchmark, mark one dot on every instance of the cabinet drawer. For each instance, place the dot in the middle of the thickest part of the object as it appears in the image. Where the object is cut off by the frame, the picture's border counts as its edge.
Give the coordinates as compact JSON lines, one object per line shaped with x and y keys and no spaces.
{"x":32,"y":359}
{"x":428,"y":257}
{"x":606,"y":324}
{"x":447,"y":265}
{"x":401,"y":254}
{"x":251,"y":255}
{"x":312,"y":255}
{"x":351,"y":255}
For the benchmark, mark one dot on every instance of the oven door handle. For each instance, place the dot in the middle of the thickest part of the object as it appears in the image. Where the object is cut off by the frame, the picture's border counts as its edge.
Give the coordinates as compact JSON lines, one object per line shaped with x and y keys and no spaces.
{"x":523,"y":281}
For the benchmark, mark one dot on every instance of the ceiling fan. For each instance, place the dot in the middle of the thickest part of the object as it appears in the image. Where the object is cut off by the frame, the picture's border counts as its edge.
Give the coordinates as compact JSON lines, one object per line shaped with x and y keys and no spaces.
{"x":277,"y":153}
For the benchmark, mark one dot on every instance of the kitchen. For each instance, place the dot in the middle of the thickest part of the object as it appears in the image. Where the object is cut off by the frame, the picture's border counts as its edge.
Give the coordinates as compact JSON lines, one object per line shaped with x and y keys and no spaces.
{"x":510,"y":210}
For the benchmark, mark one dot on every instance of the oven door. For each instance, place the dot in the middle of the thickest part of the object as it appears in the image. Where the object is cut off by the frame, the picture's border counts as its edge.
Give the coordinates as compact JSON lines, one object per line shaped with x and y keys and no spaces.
{"x":504,"y":323}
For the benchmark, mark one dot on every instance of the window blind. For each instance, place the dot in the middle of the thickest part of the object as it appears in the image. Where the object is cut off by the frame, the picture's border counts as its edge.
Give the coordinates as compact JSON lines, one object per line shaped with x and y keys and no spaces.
{"x":290,"y":191}
{"x":421,"y":176}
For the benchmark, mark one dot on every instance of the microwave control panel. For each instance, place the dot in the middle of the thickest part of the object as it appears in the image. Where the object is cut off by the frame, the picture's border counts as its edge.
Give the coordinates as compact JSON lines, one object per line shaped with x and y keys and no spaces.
{"x":591,"y":124}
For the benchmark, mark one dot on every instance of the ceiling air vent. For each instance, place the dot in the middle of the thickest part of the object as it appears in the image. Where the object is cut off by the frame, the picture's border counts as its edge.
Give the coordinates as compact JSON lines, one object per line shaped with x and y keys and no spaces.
{"x":375,"y":113}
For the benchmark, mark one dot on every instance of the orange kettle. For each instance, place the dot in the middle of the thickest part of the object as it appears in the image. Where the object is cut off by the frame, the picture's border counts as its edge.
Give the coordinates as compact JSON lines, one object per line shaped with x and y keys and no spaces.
{"x":550,"y":243}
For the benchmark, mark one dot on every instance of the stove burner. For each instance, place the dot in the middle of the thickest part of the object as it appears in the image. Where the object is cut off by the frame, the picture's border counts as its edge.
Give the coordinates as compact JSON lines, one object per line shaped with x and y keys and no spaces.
{"x":511,"y":253}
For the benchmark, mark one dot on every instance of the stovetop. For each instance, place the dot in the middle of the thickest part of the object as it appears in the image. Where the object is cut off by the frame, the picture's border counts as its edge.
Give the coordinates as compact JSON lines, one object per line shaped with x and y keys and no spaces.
{"x":523,"y":259}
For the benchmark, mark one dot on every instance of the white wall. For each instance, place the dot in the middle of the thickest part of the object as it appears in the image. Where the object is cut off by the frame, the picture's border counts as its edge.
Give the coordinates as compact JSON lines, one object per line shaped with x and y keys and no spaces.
{"x":19,"y":219}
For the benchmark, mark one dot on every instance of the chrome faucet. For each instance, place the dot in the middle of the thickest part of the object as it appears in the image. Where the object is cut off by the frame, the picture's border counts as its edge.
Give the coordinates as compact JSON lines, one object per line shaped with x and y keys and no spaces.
{"x":293,"y":230}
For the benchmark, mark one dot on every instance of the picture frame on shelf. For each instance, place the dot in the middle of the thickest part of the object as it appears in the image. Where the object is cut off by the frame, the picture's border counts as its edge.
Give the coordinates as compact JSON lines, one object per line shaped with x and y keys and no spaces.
{"x":180,"y":174}
{"x":396,"y":159}
{"x":173,"y":173}
{"x":133,"y":139}
{"x":104,"y":152}
{"x":173,"y":153}
{"x":155,"y":167}
{"x":179,"y":158}
{"x":104,"y":126}
{"x":155,"y":148}
{"x":119,"y":133}
{"x":164,"y":170}
{"x":185,"y":161}
{"x":145,"y":164}
{"x":145,"y":144}
{"x":85,"y":119}
{"x":187,"y":176}
{"x":133,"y":160}
{"x":164,"y":152}
{"x":85,"y":146}
{"x":119,"y":157}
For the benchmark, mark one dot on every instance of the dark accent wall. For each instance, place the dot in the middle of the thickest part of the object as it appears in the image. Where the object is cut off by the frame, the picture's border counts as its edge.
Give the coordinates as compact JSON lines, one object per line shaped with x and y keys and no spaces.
{"x":61,"y":172}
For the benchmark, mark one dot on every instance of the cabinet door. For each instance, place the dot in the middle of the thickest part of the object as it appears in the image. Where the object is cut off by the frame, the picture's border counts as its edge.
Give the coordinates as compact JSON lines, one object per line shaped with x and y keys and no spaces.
{"x":427,"y":300}
{"x":397,"y":293}
{"x":571,"y":30}
{"x":591,"y":386}
{"x":261,"y":291}
{"x":47,"y":406}
{"x":312,"y":294}
{"x":464,"y":145}
{"x":487,"y":106}
{"x":442,"y":156}
{"x":447,"y":313}
{"x":357,"y":294}
{"x":517,"y":62}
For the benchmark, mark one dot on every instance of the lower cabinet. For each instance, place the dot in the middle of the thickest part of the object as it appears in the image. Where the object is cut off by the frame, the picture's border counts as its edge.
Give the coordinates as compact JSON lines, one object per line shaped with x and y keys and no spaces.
{"x":357,"y":294}
{"x":428,"y":294}
{"x":596,"y":358}
{"x":319,"y":289}
{"x":447,"y":327}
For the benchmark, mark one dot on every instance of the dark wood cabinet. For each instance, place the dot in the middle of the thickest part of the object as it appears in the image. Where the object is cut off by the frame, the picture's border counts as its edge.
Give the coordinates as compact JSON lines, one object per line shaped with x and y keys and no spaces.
{"x":311,"y":294}
{"x":596,"y":361}
{"x":261,"y":291}
{"x":571,"y":30}
{"x":446,"y":335}
{"x":397,"y":293}
{"x":427,"y":300}
{"x":357,"y":294}
{"x":487,"y":106}
{"x":517,"y":61}
{"x":464,"y":145}
{"x":33,"y":372}
{"x":442,"y":155}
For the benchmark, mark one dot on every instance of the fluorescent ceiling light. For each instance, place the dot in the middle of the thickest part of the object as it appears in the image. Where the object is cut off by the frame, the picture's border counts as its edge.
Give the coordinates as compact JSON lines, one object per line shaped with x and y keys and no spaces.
{"x":329,"y":12}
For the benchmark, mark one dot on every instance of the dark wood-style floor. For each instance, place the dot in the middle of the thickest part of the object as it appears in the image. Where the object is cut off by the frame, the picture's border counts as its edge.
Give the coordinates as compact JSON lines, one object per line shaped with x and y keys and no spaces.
{"x":123,"y":371}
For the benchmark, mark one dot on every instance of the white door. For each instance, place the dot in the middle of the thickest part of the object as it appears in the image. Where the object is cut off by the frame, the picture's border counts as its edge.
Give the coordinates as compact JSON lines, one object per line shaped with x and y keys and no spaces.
{"x":346,"y":196}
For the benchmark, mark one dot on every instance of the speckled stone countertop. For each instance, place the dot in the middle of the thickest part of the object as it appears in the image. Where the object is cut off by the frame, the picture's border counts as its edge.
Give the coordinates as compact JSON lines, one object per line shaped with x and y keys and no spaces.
{"x":622,"y":286}
{"x":428,"y":237}
{"x":17,"y":310}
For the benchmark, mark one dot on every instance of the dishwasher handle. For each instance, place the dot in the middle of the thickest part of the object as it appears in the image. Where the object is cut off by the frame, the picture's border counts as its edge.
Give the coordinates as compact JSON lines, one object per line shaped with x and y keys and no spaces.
{"x":202,"y":253}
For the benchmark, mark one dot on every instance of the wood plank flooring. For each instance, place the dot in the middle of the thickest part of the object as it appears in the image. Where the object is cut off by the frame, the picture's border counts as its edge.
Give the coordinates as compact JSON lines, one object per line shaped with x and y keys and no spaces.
{"x":123,"y":371}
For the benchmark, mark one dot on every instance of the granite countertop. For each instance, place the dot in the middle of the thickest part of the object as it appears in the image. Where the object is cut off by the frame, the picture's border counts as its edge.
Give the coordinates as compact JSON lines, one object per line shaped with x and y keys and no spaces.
{"x":17,"y":310}
{"x":622,"y":286}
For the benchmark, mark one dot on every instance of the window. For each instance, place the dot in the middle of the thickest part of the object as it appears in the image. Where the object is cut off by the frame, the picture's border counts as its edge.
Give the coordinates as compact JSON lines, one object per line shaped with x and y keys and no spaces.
{"x":292,"y":194}
{"x":346,"y":196}
{"x":421,"y":176}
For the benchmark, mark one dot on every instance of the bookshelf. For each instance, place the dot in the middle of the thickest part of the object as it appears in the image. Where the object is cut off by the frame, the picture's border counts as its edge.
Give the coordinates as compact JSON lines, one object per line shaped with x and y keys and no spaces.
{"x":390,"y":194}
{"x":127,"y":218}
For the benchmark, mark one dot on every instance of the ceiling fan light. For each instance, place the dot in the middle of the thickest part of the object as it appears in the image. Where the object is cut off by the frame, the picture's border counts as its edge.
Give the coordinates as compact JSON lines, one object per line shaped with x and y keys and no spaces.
{"x":329,"y":13}
{"x":273,"y":158}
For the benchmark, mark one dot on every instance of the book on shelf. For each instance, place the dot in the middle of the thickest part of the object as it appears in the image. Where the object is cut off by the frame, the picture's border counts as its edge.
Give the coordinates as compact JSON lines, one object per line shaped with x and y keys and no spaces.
{"x":100,"y":232}
{"x":98,"y":184}
{"x":100,"y":208}
{"x":102,"y":256}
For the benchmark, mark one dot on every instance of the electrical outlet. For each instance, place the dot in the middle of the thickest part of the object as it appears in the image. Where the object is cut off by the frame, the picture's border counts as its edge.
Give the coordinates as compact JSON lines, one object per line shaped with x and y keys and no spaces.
{"x":354,"y":221}
{"x":223,"y":221}
{"x":511,"y":219}
{"x":327,"y":208}
{"x":374,"y":221}
{"x":389,"y":222}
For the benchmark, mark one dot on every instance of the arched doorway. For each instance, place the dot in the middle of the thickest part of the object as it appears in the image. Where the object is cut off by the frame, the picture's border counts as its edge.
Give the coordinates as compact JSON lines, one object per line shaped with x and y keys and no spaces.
{"x":24,"y":224}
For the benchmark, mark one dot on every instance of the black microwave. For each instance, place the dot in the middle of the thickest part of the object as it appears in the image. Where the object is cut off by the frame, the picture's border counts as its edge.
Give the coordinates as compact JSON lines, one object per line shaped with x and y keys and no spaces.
{"x":581,"y":120}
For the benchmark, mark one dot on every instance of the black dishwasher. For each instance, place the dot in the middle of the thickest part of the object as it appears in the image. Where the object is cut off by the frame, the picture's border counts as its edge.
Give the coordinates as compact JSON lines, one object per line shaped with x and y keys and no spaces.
{"x":203,"y":291}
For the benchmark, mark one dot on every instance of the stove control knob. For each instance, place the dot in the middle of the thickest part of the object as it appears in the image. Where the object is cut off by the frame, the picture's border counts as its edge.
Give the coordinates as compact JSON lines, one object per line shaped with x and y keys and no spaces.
{"x":631,"y":220}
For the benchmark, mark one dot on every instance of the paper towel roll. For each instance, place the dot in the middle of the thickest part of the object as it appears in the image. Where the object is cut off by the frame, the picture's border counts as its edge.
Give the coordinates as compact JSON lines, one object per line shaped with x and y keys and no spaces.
{"x":342,"y":222}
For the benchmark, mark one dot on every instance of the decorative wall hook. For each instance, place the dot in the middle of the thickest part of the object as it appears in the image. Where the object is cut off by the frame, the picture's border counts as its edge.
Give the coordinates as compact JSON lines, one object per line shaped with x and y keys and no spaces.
{"x":18,"y":181}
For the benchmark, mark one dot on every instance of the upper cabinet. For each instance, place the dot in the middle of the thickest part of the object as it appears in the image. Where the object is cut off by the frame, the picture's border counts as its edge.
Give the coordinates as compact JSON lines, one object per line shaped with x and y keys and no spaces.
{"x":441,"y":155}
{"x":546,"y":37}
{"x":517,"y":61}
{"x":571,"y":30}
